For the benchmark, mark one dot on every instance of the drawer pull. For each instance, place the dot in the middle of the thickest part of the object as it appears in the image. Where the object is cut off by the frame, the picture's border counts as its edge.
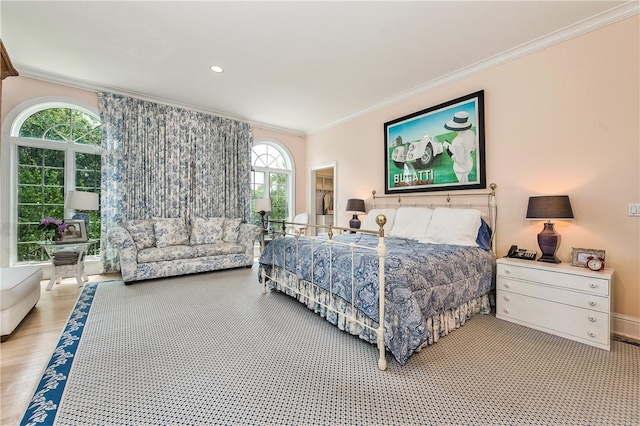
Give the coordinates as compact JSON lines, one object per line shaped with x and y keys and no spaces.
{"x":506,"y":271}
{"x":592,"y":319}
{"x":592,"y":303}
{"x":593,"y":285}
{"x":506,"y":285}
{"x":506,"y":311}
{"x":591,"y":334}
{"x":507,"y":298}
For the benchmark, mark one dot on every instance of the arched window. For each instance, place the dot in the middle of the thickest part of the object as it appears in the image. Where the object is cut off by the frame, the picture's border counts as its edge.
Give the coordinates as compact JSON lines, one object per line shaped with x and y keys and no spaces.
{"x":272,"y":177}
{"x":56,"y":148}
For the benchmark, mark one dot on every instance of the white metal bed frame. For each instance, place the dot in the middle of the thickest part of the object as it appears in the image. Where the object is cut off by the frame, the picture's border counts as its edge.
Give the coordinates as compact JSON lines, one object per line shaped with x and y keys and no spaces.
{"x":489,"y":203}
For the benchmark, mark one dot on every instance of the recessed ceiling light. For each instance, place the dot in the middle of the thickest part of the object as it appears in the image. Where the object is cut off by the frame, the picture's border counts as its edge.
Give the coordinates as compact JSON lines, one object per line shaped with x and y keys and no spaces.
{"x":216,"y":68}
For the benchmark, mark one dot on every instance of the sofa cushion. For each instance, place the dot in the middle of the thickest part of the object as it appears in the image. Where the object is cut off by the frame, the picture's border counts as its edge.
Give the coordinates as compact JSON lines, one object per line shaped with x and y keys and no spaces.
{"x":160,"y":254}
{"x":218,"y":249}
{"x":206,"y":231}
{"x":142,"y":232}
{"x":230,"y":230}
{"x":171,"y":232}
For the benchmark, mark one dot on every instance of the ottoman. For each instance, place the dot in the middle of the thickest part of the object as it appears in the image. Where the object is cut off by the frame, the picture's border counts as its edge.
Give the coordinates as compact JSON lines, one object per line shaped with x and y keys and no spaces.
{"x":19,"y":293}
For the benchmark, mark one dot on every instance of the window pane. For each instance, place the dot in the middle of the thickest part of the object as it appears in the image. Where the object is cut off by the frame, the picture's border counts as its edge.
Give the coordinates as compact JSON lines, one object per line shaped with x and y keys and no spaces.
{"x":40,"y":194}
{"x":257,"y":191}
{"x":29,"y":213}
{"x":88,"y":178}
{"x":278,"y":193}
{"x":32,"y":156}
{"x":86,"y":129}
{"x":30,"y":174}
{"x":62,"y":124}
{"x":29,"y":194}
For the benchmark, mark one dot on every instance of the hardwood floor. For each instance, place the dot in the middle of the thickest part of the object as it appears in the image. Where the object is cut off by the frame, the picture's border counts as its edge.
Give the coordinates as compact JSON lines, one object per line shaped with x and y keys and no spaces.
{"x":25,"y":354}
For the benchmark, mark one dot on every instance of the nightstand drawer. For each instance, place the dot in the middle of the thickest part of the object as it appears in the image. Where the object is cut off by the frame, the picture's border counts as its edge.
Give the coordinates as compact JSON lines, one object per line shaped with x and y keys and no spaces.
{"x":572,"y":322}
{"x":560,"y":279}
{"x":555,"y":294}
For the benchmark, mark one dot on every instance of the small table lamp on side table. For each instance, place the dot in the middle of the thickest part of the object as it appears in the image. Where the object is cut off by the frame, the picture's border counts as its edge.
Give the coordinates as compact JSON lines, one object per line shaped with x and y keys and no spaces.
{"x":82,"y":201}
{"x":355,"y":206}
{"x":549,"y":207}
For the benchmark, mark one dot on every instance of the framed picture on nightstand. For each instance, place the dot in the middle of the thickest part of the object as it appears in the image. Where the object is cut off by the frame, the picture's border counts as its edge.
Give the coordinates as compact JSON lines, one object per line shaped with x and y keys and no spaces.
{"x":580,"y":256}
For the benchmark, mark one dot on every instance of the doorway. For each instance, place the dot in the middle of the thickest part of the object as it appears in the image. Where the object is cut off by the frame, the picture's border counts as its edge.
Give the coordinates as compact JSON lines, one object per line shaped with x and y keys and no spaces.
{"x":322,"y":196}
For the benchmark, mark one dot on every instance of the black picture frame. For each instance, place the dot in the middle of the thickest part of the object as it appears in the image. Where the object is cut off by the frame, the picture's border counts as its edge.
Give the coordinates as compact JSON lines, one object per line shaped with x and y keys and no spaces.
{"x":440,"y":148}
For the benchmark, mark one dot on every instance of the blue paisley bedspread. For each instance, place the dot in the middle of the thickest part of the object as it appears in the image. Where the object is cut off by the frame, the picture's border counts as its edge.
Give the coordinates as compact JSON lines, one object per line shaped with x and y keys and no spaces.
{"x":421,"y":280}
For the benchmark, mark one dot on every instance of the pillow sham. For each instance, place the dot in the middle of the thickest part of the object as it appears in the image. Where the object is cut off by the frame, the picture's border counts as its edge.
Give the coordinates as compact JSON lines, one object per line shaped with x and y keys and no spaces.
{"x":171,"y":232}
{"x":142,"y":232}
{"x":230,"y":230}
{"x":370,"y":221}
{"x":411,"y":223}
{"x":453,"y":226}
{"x":484,"y":236}
{"x":207,"y":231}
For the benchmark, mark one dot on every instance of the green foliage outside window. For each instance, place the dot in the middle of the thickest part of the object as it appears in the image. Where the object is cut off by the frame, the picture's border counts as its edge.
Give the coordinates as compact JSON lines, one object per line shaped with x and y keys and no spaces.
{"x":277,"y":194}
{"x":62,"y":124}
{"x":40,"y":194}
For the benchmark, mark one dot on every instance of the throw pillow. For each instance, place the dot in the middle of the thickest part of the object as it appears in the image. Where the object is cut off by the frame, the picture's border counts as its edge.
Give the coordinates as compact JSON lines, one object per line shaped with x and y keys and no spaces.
{"x":142,"y":232}
{"x":171,"y":232}
{"x":206,"y":231}
{"x":411,"y":223}
{"x":370,"y":224}
{"x":231,"y":230}
{"x":453,"y":226}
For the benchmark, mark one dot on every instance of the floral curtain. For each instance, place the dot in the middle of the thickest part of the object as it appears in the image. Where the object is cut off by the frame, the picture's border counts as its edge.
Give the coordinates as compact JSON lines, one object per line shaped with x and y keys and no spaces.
{"x":163,"y":161}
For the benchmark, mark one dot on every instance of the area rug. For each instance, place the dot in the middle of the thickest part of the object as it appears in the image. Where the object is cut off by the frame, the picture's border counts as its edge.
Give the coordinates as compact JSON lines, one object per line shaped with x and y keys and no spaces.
{"x":212,"y":349}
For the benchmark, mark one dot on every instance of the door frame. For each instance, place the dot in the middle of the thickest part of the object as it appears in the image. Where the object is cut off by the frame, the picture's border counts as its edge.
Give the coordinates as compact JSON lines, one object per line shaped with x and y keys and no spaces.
{"x":311,"y":192}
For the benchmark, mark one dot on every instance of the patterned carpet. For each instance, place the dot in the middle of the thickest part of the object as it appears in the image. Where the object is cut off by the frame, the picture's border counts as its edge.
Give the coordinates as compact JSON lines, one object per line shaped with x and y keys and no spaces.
{"x":212,"y":349}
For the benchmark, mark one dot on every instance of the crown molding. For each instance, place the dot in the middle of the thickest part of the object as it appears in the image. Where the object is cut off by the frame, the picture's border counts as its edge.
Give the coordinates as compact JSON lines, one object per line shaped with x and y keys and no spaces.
{"x":93,"y":87}
{"x":595,"y":22}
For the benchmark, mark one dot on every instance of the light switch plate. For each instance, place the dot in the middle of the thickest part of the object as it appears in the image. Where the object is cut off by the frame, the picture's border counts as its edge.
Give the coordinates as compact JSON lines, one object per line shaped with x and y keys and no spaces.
{"x":634,"y":209}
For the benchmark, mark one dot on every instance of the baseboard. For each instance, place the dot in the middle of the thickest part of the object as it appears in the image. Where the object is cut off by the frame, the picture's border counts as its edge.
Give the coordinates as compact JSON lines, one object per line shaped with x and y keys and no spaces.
{"x":625,"y":326}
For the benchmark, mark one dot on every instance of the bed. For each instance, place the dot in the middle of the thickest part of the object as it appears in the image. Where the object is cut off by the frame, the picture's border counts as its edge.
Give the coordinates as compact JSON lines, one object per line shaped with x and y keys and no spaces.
{"x":419,"y":267}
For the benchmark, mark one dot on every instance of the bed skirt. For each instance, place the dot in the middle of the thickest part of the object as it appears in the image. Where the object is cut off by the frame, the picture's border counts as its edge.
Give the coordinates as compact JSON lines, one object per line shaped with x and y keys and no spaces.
{"x":314,"y":297}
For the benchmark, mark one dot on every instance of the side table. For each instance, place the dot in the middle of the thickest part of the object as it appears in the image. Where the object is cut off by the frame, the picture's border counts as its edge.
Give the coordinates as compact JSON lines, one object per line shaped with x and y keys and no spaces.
{"x":75,"y":269}
{"x":556,"y":298}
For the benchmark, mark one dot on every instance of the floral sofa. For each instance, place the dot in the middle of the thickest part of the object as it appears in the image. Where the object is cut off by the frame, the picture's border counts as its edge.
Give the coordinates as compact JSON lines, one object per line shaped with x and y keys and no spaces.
{"x":162,"y":247}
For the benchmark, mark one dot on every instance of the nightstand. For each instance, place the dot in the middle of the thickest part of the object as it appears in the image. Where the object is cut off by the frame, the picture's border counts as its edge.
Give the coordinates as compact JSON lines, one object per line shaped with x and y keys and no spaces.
{"x":560,"y":299}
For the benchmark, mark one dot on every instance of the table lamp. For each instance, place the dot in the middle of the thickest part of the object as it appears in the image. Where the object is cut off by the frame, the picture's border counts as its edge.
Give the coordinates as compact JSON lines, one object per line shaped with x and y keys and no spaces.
{"x":82,"y":201}
{"x":549,"y":207}
{"x":262,"y":206}
{"x":355,"y":206}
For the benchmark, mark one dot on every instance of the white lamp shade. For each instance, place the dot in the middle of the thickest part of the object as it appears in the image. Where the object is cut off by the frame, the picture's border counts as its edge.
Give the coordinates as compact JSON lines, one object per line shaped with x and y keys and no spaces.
{"x":263,"y":204}
{"x":80,"y":200}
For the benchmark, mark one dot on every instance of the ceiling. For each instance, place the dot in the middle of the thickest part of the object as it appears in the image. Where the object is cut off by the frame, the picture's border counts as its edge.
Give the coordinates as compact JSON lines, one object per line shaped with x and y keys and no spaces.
{"x":293,"y":66}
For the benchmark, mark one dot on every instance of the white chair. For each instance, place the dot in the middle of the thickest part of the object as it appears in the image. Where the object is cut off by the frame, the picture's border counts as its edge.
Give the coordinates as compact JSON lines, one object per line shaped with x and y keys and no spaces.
{"x":300,"y":228}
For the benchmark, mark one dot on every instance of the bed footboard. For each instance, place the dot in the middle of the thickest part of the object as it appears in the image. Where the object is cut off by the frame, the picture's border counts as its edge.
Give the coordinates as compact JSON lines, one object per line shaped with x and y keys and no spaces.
{"x":349,"y":314}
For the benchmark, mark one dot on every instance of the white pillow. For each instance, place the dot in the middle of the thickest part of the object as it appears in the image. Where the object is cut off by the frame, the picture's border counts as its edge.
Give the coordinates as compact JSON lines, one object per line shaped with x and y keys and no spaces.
{"x":453,"y":226}
{"x":370,"y":221}
{"x":411,"y":223}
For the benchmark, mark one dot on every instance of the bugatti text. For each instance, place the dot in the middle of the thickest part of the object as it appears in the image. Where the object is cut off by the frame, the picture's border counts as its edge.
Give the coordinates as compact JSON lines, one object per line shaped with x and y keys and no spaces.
{"x":418,"y":177}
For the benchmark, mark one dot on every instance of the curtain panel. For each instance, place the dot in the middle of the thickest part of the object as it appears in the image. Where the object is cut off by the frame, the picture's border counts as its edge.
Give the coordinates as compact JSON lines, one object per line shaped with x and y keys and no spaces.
{"x":164,"y":161}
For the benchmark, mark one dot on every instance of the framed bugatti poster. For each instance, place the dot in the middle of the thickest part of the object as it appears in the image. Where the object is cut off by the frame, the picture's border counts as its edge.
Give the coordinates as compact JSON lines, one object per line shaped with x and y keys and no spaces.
{"x":439,"y":148}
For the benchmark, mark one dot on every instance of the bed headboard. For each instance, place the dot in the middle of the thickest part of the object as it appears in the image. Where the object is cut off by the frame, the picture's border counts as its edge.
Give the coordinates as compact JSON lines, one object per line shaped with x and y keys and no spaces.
{"x":484,"y":201}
